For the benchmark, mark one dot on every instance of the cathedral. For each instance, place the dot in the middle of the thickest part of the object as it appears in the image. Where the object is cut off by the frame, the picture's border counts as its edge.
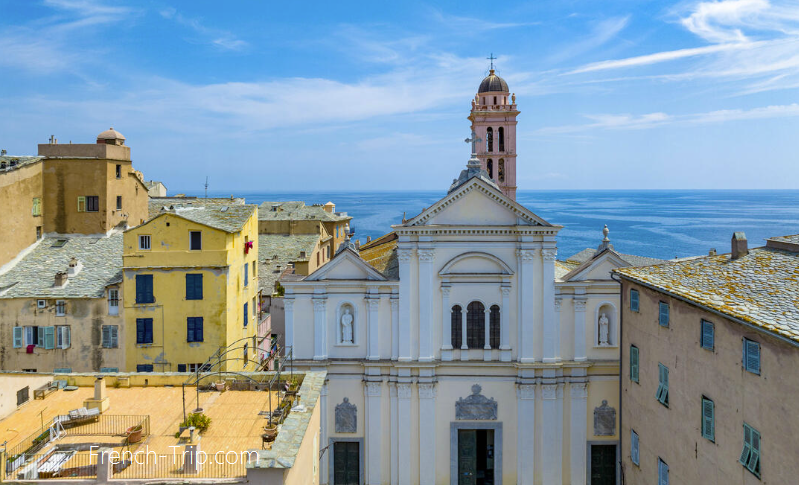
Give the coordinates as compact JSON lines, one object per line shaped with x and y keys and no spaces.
{"x":459,"y":348}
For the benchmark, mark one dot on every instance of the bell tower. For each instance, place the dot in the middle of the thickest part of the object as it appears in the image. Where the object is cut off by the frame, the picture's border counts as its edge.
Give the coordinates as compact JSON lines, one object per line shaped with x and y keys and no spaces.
{"x":493,"y":118}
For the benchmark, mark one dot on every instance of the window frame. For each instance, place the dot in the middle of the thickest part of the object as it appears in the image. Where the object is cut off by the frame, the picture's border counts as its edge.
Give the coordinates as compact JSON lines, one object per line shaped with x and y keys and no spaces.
{"x":81,"y":203}
{"x":708,"y":419}
{"x":92,"y":201}
{"x":749,"y":344}
{"x":196,"y":287}
{"x":63,"y":337}
{"x":36,"y":210}
{"x":475,"y":326}
{"x":119,"y":171}
{"x":145,"y":368}
{"x":246,"y":313}
{"x":635,"y":377}
{"x":194,"y":325}
{"x":109,"y":336}
{"x":143,"y":332}
{"x":143,"y":296}
{"x":60,"y":308}
{"x":750,"y":457}
{"x":119,"y":202}
{"x":246,"y":274}
{"x":149,"y":239}
{"x":661,"y":306}
{"x":191,"y":240}
{"x":662,"y":394}
{"x":637,"y":300}
{"x":706,"y":324}
{"x":635,"y":449}
{"x":113,"y":302}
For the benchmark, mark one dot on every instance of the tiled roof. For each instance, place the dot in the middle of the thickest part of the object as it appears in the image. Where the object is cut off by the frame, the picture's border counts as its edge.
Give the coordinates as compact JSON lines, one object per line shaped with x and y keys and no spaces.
{"x":275,"y":251}
{"x":34,"y":275}
{"x":761,"y":288}
{"x":793,"y":239}
{"x":633,"y":260}
{"x":156,"y":204}
{"x":225,"y":217}
{"x":297,"y":210}
{"x":8,"y":163}
{"x":562,"y":268}
{"x":381,"y":254}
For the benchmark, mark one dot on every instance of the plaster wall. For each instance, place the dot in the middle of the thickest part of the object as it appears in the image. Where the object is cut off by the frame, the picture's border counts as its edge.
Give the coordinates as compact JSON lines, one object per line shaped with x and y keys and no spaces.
{"x":10,"y":383}
{"x":18,"y":187}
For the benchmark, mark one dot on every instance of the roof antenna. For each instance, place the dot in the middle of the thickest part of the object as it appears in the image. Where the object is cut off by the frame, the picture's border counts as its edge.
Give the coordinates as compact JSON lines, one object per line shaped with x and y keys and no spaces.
{"x":206,"y":186}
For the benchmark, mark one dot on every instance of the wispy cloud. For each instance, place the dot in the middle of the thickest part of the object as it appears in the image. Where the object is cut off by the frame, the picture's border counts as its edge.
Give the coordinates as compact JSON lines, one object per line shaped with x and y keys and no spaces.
{"x":470,"y":25}
{"x":221,"y":39}
{"x":600,"y":34}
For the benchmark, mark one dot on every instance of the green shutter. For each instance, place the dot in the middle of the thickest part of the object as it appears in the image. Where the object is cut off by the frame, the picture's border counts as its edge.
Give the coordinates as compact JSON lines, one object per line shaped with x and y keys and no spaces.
{"x":49,"y":337}
{"x":744,"y":459}
{"x":634,"y":363}
{"x":752,"y":356}
{"x":17,"y":337}
{"x":707,"y":335}
{"x":708,"y":419}
{"x":754,"y":456}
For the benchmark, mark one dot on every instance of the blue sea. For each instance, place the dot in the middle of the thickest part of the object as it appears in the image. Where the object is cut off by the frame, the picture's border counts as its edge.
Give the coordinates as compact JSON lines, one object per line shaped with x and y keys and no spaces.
{"x":657,"y":223}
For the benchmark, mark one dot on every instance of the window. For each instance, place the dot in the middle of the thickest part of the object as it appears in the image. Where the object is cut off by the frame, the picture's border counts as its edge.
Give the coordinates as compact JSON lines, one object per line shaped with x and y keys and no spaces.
{"x":635,"y":455}
{"x":62,"y":370}
{"x":41,"y":304}
{"x":633,"y":300}
{"x":708,"y":335}
{"x":144,"y":330}
{"x":493,"y":323}
{"x":81,"y":204}
{"x":47,"y":337}
{"x":246,"y":274}
{"x":144,"y":242}
{"x":663,"y":472}
{"x":37,"y":206}
{"x":490,"y":139}
{"x":246,"y":315}
{"x":254,"y":269}
{"x":60,"y":308}
{"x":108,"y":370}
{"x":119,"y":202}
{"x":663,"y":318}
{"x":194,"y":329}
{"x":490,"y":168}
{"x":144,"y":288}
{"x":181,"y":367}
{"x":456,"y":327}
{"x":195,"y":240}
{"x":199,"y":367}
{"x":245,"y":353}
{"x":113,"y":301}
{"x":23,"y":395}
{"x":38,"y":232}
{"x":501,"y":170}
{"x":110,"y":336}
{"x":708,"y":419}
{"x":144,"y":368}
{"x":750,"y":455}
{"x":63,"y":337}
{"x":194,"y":286}
{"x":633,"y":363}
{"x":475,"y":325}
{"x":119,"y":171}
{"x":751,"y":358}
{"x":501,"y":132}
{"x":32,"y":336}
{"x":17,"y":337}
{"x":92,"y":203}
{"x":495,"y":100}
{"x":663,"y":385}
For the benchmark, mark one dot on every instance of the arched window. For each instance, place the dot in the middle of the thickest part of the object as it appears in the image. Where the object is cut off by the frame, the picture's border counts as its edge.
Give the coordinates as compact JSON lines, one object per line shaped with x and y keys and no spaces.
{"x":490,"y":139}
{"x":490,"y":167}
{"x":501,"y":170}
{"x":484,"y":100}
{"x":456,"y":327}
{"x":493,"y":324}
{"x":495,"y":100}
{"x":501,"y":131}
{"x":475,"y":325}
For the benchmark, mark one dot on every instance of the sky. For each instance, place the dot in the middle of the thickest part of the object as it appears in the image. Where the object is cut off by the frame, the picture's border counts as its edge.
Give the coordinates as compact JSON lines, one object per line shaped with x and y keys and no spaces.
{"x":341,"y":96}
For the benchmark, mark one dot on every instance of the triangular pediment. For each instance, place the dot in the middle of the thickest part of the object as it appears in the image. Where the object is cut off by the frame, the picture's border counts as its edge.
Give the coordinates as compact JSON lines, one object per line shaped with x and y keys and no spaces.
{"x":346,"y":265}
{"x":598,"y":267}
{"x":476,"y":203}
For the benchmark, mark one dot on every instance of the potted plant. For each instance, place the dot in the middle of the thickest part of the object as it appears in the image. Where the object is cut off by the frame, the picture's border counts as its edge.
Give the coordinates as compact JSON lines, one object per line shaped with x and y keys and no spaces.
{"x":270,"y":432}
{"x":220,"y":386}
{"x":292,"y":387}
{"x":134,"y":434}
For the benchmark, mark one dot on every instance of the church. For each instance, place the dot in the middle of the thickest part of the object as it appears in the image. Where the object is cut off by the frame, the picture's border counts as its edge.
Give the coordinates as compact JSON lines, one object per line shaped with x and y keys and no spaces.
{"x":459,"y":349}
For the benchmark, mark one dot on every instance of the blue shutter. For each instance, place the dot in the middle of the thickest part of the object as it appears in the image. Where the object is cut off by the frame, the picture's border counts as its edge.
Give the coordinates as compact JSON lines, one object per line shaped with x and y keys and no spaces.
{"x":246,"y":273}
{"x":708,"y":335}
{"x":664,"y":314}
{"x":198,"y":329}
{"x":634,"y":300}
{"x":752,"y":353}
{"x":634,"y":363}
{"x":181,"y":367}
{"x":106,"y":336}
{"x":39,"y":336}
{"x":663,"y":473}
{"x":246,"y":315}
{"x":109,"y":369}
{"x":754,"y":456}
{"x":17,"y":337}
{"x":747,"y":448}
{"x":139,"y":288}
{"x":708,"y":419}
{"x":189,"y":329}
{"x":139,"y":330}
{"x":114,"y":336}
{"x":144,"y":288}
{"x":634,"y":453}
{"x":149,"y":330}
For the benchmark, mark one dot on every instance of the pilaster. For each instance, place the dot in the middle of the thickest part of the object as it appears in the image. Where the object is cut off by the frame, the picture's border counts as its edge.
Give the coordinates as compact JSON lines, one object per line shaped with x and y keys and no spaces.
{"x":427,"y":433}
{"x":579,"y":329}
{"x":426,"y":257}
{"x":373,"y":327}
{"x":404,"y":434}
{"x":323,"y":461}
{"x":504,"y":331}
{"x":446,"y":324}
{"x":578,"y":393}
{"x":552,"y":432}
{"x":392,"y":391}
{"x":394,"y":327}
{"x":320,"y":327}
{"x":526,"y":294}
{"x":288,"y":308}
{"x":551,"y":324}
{"x":405,"y":257}
{"x":525,"y":437}
{"x":373,"y":391}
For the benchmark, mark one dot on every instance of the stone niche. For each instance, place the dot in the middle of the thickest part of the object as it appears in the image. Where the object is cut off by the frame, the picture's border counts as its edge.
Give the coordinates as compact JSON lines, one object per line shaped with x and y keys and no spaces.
{"x":346,"y":417}
{"x":604,"y":420}
{"x":476,"y":406}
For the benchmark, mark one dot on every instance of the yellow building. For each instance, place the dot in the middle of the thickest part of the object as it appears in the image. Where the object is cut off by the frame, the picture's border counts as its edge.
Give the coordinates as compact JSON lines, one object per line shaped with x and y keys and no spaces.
{"x":190,"y":287}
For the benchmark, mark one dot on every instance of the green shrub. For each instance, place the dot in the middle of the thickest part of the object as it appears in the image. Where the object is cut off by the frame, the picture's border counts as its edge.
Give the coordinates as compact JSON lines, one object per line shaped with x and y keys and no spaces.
{"x":198,"y":420}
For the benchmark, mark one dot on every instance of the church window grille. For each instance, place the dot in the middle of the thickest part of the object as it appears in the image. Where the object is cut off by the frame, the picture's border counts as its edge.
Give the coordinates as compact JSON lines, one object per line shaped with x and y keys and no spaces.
{"x":490,"y":166}
{"x":493,"y":331}
{"x":501,"y":133}
{"x":501,"y":170}
{"x":456,"y":326}
{"x":490,"y":139}
{"x":475,"y":325}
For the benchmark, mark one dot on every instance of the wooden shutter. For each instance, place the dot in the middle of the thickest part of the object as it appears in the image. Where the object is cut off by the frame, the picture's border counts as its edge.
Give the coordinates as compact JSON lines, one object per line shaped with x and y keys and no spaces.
{"x":634,"y":363}
{"x":634,"y":300}
{"x":106,"y":336}
{"x":198,"y":329}
{"x":39,"y":336}
{"x":114,"y":336}
{"x":708,"y":419}
{"x":752,"y":356}
{"x":707,"y":335}
{"x":663,"y":473}
{"x":49,"y":337}
{"x":664,"y":314}
{"x":754,"y":455}
{"x":17,"y":337}
{"x":634,"y":452}
{"x":744,"y":459}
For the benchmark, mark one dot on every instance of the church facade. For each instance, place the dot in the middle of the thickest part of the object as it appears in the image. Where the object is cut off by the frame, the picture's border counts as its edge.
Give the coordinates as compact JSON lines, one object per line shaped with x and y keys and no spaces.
{"x":459,"y":349}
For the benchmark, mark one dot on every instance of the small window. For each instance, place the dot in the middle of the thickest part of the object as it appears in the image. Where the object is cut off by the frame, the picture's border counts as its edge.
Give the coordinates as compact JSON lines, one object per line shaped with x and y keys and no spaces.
{"x":708,"y":335}
{"x":246,"y":315}
{"x":663,"y":472}
{"x":18,"y":334}
{"x":254,"y":269}
{"x":663,"y":385}
{"x":633,"y":363}
{"x":23,"y":395}
{"x":92,"y":203}
{"x":181,"y":367}
{"x":246,"y":274}
{"x":60,"y":308}
{"x":109,"y":370}
{"x":494,"y":328}
{"x":708,"y":419}
{"x":663,"y":318}
{"x":456,"y":327}
{"x":144,"y":289}
{"x":40,"y":304}
{"x":634,"y":452}
{"x":110,"y":336}
{"x":194,"y":329}
{"x":62,"y":370}
{"x":37,"y":206}
{"x":144,"y":242}
{"x":195,"y":240}
{"x":81,"y":204}
{"x":633,"y":300}
{"x":38,"y":232}
{"x":59,"y":243}
{"x":751,"y":358}
{"x":246,"y":348}
{"x":194,"y":286}
{"x":144,"y":368}
{"x":119,"y":171}
{"x":144,"y":330}
{"x":119,"y":202}
{"x":113,"y":301}
{"x":750,"y":455}
{"x":63,"y":337}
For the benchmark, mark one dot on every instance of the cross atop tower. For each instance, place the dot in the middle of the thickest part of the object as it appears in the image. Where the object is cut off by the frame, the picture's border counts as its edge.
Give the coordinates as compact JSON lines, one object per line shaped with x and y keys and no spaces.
{"x":474,"y":140}
{"x":491,"y":58}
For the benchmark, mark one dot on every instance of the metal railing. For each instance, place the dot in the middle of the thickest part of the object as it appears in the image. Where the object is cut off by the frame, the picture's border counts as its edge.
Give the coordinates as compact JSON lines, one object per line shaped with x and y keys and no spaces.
{"x":141,"y":465}
{"x":55,"y":465}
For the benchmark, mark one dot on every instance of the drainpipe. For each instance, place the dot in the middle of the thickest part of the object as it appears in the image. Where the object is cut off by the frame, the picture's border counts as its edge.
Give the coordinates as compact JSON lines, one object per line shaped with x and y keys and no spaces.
{"x":621,"y":357}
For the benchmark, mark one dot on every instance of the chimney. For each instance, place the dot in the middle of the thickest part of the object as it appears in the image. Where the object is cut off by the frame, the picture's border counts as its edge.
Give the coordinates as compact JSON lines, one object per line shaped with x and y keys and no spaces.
{"x":3,"y":153}
{"x":74,"y":267}
{"x":739,"y":245}
{"x":712,"y":252}
{"x":368,"y":239}
{"x":99,"y":389}
{"x":330,"y":207}
{"x":60,"y":278}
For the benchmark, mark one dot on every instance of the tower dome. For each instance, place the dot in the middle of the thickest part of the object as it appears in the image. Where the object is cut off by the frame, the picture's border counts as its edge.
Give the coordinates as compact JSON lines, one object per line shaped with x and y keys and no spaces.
{"x":111,"y":137}
{"x":493,"y":83}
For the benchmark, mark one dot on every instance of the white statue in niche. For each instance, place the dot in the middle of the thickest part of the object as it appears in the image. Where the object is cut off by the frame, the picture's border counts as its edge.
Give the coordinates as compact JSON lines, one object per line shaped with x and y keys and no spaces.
{"x":346,"y":327}
{"x":603,"y":330}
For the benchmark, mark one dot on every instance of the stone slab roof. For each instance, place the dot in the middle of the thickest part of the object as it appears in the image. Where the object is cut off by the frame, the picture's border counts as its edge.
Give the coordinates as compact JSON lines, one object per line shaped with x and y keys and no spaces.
{"x":156,"y":204}
{"x":297,"y":210}
{"x":34,"y":275}
{"x":761,"y":288}
{"x":276,"y":251}
{"x":9,"y":163}
{"x":225,"y":217}
{"x":381,"y":254}
{"x":633,"y":260}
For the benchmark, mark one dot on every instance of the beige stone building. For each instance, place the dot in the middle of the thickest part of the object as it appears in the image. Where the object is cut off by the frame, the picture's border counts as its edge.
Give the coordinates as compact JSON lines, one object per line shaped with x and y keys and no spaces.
{"x":69,"y":189}
{"x":709,"y":351}
{"x":60,"y":306}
